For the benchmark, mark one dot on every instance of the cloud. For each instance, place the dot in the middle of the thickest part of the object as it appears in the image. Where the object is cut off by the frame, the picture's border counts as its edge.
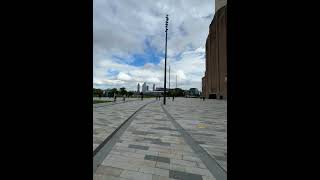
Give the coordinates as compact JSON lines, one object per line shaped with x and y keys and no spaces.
{"x":124,"y":77}
{"x":122,"y":28}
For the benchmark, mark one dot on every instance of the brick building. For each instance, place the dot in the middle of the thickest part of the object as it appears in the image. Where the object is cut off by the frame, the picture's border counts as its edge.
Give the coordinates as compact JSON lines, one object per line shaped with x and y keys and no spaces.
{"x":214,"y":83}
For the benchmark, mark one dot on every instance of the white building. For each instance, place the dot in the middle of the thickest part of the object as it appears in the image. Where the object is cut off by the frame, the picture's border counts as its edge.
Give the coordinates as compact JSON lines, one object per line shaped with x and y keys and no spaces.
{"x":144,"y":87}
{"x":138,"y":88}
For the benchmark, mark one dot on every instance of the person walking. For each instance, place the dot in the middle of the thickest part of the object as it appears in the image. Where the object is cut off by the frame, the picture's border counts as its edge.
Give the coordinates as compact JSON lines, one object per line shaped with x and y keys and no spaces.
{"x":114,"y":97}
{"x":173,"y":98}
{"x":124,"y":98}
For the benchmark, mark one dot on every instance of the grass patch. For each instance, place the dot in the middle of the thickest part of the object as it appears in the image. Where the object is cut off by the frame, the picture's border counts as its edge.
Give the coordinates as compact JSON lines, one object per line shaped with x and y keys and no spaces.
{"x":100,"y":101}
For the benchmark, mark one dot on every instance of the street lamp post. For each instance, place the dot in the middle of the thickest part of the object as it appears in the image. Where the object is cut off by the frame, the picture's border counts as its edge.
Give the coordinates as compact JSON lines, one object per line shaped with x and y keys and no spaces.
{"x":165,"y":64}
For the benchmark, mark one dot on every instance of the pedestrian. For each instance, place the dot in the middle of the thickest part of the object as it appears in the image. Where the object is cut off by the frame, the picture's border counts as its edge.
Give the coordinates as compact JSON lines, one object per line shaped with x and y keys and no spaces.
{"x":114,"y":97}
{"x":203,"y":98}
{"x":141,"y":94}
{"x":172,"y":98}
{"x":124,"y":98}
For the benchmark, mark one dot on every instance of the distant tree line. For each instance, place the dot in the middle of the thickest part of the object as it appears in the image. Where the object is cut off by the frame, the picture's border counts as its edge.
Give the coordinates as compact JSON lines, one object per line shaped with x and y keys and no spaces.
{"x":177,"y":92}
{"x":110,"y":92}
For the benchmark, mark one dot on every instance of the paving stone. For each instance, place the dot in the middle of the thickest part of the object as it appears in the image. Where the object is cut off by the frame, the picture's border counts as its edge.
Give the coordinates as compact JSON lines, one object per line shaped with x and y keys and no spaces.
{"x":171,"y":155}
{"x":138,"y":147}
{"x":154,"y":148}
{"x":203,"y":172}
{"x":121,"y":165}
{"x":184,"y":176}
{"x":162,"y":165}
{"x":142,"y":132}
{"x":163,"y":159}
{"x":183,"y":162}
{"x":212,"y":114}
{"x":151,"y":157}
{"x":202,"y":134}
{"x":164,"y":128}
{"x":156,"y":171}
{"x":134,"y":175}
{"x":208,"y":178}
{"x":156,"y":177}
{"x":145,"y":152}
{"x":108,"y":170}
{"x":201,"y":165}
{"x":157,"y":158}
{"x":191,"y":158}
{"x":157,"y":141}
{"x":106,"y":177}
{"x":177,"y":167}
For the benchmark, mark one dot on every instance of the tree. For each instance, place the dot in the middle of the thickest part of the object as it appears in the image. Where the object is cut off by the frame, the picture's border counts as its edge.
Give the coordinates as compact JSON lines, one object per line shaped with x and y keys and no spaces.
{"x":113,"y":91}
{"x":178,"y":92}
{"x":123,"y":91}
{"x":97,"y":92}
{"x":130,"y":93}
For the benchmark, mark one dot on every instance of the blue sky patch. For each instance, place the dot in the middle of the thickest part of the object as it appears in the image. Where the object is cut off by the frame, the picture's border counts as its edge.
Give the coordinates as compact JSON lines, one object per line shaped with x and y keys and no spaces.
{"x":112,"y":72}
{"x":150,"y":55}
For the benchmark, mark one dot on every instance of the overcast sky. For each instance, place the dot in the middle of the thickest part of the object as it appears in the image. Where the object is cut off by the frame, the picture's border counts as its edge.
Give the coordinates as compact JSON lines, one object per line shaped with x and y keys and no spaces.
{"x":129,"y":42}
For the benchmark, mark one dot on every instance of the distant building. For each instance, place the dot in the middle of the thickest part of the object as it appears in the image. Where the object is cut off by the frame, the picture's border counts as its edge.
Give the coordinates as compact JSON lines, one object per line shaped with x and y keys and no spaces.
{"x":154,"y":87}
{"x":138,"y":88}
{"x":159,"y":89}
{"x":144,"y":87}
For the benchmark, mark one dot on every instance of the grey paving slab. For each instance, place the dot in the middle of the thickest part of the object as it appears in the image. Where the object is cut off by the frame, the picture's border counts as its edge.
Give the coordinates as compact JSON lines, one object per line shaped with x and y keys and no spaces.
{"x":184,"y":175}
{"x":206,"y":122}
{"x":138,"y":147}
{"x":158,"y":160}
{"x":107,"y":119}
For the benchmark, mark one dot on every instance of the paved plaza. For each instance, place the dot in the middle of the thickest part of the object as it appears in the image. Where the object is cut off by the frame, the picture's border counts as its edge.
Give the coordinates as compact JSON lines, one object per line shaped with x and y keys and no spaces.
{"x":106,"y":118}
{"x":153,"y":147}
{"x":206,"y":122}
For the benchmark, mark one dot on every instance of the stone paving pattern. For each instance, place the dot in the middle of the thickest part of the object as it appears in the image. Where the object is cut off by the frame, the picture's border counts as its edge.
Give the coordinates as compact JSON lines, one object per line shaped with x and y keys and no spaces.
{"x":109,"y":118}
{"x":152,"y":149}
{"x":205,"y":121}
{"x":118,"y":101}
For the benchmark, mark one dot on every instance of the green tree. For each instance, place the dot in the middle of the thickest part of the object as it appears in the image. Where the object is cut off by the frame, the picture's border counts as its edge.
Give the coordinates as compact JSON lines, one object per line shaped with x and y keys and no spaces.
{"x":123,"y":91}
{"x":130,"y":93}
{"x":97,"y":92}
{"x":178,"y":92}
{"x":113,"y":91}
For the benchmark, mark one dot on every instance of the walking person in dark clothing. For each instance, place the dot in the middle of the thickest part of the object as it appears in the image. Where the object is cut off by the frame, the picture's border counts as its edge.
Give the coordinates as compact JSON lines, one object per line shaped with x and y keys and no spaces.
{"x":172,"y":98}
{"x":141,"y":94}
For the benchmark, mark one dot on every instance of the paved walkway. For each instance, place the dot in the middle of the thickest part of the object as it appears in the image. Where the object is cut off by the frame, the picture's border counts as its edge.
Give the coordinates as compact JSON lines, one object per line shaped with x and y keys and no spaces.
{"x":108,"y":118}
{"x":152,"y":148}
{"x":119,"y":101}
{"x":205,"y":121}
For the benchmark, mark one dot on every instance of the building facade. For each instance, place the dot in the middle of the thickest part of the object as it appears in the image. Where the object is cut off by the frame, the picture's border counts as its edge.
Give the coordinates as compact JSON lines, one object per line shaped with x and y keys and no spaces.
{"x":144,"y":87}
{"x":214,"y":83}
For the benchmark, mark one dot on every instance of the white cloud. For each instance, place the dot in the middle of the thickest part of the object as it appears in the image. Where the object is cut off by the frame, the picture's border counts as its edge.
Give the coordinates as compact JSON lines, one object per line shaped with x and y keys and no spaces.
{"x":124,"y":77}
{"x":121,"y":27}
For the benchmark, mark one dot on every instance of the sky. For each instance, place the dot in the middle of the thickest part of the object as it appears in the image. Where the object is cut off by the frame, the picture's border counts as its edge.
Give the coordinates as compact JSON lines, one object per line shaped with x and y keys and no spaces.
{"x":129,"y":42}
